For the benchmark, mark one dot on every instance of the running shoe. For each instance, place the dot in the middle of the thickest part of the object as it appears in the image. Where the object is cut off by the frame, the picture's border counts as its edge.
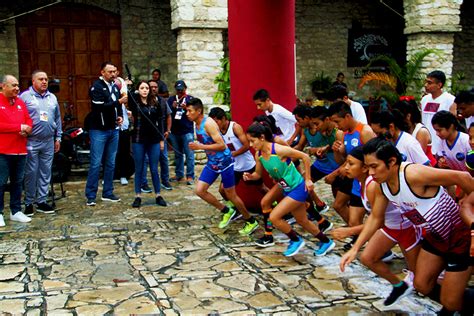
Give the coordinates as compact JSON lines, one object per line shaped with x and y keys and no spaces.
{"x":409,"y":277}
{"x":166,"y":185}
{"x":324,"y":248}
{"x":146,"y":189}
{"x":388,"y":256}
{"x":44,"y":208}
{"x":110,"y":198}
{"x":248,"y":228}
{"x":227,"y":218}
{"x":265,"y":241}
{"x":29,"y":210}
{"x":160,"y":201}
{"x":294,"y":247}
{"x":322,"y":209}
{"x":137,"y":202}
{"x":398,"y":292}
{"x":90,"y":202}
{"x":325,"y":226}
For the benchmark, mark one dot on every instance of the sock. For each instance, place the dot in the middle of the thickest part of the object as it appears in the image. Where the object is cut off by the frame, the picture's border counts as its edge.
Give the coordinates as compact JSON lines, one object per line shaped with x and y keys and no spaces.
{"x":268,"y":223}
{"x":322,"y":237}
{"x":293,"y":235}
{"x":225,"y":210}
{"x":398,"y":284}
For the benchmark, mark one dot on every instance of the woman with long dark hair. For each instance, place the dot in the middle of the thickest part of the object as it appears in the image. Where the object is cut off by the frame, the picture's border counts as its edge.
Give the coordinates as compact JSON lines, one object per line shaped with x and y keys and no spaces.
{"x":147,"y":139}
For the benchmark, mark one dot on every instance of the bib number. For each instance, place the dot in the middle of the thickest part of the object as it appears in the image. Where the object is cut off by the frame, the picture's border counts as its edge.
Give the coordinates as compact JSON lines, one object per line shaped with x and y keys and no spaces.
{"x":415,"y":217}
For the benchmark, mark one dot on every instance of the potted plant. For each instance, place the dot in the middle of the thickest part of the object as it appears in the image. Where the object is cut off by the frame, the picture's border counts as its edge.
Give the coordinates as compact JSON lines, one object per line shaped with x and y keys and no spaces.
{"x":320,"y":85}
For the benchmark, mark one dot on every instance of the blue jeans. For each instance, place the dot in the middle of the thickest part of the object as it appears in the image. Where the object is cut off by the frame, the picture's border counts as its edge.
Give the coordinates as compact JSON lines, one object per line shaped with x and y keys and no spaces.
{"x":181,"y":148}
{"x":104,"y":145}
{"x":153,"y":153}
{"x":164,"y":167}
{"x":13,"y":167}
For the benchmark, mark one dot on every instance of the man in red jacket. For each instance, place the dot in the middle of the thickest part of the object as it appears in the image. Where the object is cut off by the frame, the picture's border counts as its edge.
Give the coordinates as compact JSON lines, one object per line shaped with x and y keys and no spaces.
{"x":15,"y":126}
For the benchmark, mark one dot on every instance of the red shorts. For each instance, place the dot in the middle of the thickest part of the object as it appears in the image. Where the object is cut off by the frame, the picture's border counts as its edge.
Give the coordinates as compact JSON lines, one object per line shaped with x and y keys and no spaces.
{"x":406,"y":238}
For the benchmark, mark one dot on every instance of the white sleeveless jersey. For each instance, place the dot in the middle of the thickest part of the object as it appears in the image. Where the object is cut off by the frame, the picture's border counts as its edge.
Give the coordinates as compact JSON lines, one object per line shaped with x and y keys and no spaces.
{"x":393,"y":216}
{"x":456,"y":154}
{"x":429,"y":107}
{"x":438,"y":215}
{"x":411,"y":149}
{"x":242,"y":162}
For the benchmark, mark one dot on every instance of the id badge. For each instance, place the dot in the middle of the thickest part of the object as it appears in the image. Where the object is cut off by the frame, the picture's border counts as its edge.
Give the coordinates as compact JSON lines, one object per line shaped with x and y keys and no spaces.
{"x":43,"y":116}
{"x":178,"y":115}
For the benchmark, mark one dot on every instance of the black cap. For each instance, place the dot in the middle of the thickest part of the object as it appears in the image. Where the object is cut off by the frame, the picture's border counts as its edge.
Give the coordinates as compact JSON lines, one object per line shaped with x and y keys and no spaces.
{"x":180,"y":85}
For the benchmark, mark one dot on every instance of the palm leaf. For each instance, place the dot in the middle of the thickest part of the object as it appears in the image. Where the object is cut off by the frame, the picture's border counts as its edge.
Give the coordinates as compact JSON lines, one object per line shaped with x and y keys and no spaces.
{"x":379,"y":78}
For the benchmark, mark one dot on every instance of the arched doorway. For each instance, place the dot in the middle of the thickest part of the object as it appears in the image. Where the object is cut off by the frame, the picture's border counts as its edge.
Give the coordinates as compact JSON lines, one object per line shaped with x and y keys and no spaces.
{"x":69,"y":42}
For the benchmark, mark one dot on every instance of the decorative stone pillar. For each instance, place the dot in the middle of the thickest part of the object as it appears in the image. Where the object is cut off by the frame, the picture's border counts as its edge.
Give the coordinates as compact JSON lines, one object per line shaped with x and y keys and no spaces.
{"x":199,"y":26}
{"x":432,"y":24}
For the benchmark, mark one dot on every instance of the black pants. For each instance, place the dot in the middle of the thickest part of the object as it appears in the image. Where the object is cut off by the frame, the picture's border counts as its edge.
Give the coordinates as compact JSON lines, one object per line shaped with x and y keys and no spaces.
{"x":123,"y":158}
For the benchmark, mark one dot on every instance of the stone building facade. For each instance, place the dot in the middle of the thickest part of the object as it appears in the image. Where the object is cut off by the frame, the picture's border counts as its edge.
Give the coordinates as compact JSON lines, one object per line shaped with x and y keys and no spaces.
{"x":185,"y":39}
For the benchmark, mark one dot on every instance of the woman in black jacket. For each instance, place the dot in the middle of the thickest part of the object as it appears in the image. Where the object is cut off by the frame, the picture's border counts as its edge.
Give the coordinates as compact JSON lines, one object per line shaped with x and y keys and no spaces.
{"x":147,"y":139}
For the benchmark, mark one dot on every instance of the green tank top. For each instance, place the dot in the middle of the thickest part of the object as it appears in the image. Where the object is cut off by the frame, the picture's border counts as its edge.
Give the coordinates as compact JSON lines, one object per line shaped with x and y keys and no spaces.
{"x":282,"y":171}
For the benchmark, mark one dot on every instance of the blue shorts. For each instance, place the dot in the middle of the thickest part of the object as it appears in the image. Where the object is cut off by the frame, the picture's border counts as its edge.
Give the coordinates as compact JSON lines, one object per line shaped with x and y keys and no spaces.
{"x":299,"y":193}
{"x":209,"y":175}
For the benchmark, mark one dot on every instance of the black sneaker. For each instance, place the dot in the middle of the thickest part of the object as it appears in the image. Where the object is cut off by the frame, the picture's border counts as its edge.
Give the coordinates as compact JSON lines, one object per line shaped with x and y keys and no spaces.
{"x":166,"y":185}
{"x":325,"y":226}
{"x":160,"y":201}
{"x":137,"y":202}
{"x":398,"y":292}
{"x":44,"y":208}
{"x":90,"y":202}
{"x":322,"y":209}
{"x":111,"y":198}
{"x":29,"y":210}
{"x":265,"y":241}
{"x":146,"y":189}
{"x":388,"y":256}
{"x":349,"y":245}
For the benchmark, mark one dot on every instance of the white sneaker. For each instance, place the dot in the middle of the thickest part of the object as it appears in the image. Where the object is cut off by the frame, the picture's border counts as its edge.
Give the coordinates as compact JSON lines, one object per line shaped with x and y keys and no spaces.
{"x":20,"y":217}
{"x":123,"y":181}
{"x":2,"y":221}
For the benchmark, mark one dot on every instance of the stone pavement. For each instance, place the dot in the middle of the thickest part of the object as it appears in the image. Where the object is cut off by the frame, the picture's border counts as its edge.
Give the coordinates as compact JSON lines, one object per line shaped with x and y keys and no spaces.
{"x":113,"y":259}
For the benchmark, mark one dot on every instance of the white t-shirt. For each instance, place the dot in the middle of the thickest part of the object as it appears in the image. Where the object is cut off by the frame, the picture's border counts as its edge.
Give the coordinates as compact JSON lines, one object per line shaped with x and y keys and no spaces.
{"x":469,"y":121}
{"x":456,"y":154}
{"x":429,"y":107}
{"x":411,"y":149}
{"x":285,"y":120}
{"x":358,"y":112}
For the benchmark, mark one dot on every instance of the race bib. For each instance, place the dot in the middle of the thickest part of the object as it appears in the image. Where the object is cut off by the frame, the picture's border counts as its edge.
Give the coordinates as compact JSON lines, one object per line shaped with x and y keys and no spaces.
{"x":178,"y":115}
{"x":283,"y":184}
{"x":43,"y":116}
{"x":231,"y":146}
{"x":431,"y":107}
{"x":415,"y":217}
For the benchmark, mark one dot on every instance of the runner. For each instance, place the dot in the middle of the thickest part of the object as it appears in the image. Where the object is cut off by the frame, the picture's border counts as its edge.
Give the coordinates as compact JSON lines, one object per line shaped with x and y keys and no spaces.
{"x":237,"y":142}
{"x":292,"y":188}
{"x":419,"y":194}
{"x":384,"y":227}
{"x":219,"y":162}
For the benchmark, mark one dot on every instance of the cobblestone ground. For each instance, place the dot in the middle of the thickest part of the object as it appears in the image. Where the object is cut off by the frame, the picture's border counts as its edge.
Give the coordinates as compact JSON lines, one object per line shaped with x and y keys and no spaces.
{"x":112,"y":258}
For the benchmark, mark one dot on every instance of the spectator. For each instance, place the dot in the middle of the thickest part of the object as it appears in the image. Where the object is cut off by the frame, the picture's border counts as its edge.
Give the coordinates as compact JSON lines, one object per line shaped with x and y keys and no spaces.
{"x":340,"y":80}
{"x":182,"y":133}
{"x":15,"y":126}
{"x":105,"y":117}
{"x":44,"y":141}
{"x":435,"y":100}
{"x":123,"y":159}
{"x":162,"y":87}
{"x":147,"y":138}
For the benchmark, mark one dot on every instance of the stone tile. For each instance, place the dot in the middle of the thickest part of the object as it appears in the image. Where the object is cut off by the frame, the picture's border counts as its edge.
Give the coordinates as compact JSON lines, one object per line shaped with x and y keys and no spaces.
{"x":137,"y":305}
{"x":242,"y":282}
{"x":92,"y":310}
{"x":108,"y":296}
{"x":10,"y":272}
{"x":53,"y":285}
{"x":185,"y":302}
{"x":157,"y":262}
{"x":264,"y":300}
{"x":13,"y":307}
{"x":56,"y":301}
{"x":9,"y":287}
{"x":225,"y":306}
{"x":206,"y":289}
{"x":328,"y":288}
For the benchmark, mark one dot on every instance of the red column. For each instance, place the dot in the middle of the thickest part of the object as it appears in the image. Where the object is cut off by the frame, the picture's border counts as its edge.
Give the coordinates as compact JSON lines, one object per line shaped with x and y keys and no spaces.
{"x":262,"y":54}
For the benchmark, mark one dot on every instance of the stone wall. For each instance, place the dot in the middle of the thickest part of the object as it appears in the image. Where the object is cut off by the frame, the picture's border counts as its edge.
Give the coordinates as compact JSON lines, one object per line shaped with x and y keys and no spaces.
{"x":322,"y":36}
{"x":200,"y":26}
{"x":8,"y":47}
{"x":463,"y":61}
{"x":432,"y":24}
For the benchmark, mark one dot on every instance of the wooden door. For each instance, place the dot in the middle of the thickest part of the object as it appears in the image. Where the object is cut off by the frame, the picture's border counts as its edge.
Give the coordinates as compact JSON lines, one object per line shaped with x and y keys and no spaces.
{"x":69,"y":42}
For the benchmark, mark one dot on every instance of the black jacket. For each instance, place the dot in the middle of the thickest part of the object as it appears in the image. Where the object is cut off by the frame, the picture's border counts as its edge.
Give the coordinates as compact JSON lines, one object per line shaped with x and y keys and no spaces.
{"x":147,"y":122}
{"x":105,"y":108}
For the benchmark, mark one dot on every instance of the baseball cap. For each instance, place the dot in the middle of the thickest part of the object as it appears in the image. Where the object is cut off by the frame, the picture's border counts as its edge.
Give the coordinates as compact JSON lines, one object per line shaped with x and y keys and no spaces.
{"x":180,"y":85}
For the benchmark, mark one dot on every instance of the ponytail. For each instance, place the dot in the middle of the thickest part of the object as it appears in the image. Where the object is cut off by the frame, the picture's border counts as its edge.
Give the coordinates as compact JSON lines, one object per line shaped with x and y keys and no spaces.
{"x":257,"y":129}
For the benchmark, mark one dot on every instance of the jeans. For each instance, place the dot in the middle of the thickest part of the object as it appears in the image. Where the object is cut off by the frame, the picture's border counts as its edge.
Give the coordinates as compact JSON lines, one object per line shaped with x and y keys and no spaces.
{"x":153,"y":153}
{"x":181,"y":148}
{"x":164,"y":167}
{"x":13,"y":167}
{"x":104,"y":144}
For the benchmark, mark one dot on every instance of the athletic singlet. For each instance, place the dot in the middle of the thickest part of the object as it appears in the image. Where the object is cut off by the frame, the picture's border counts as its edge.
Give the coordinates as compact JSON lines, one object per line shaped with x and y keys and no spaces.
{"x":410,"y":149}
{"x":352,"y":140}
{"x":428,"y":152}
{"x":216,"y":160}
{"x":393,"y":216}
{"x":243,"y":162}
{"x":455,"y":155}
{"x":284,"y":172}
{"x":438,"y":215}
{"x":326,"y":164}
